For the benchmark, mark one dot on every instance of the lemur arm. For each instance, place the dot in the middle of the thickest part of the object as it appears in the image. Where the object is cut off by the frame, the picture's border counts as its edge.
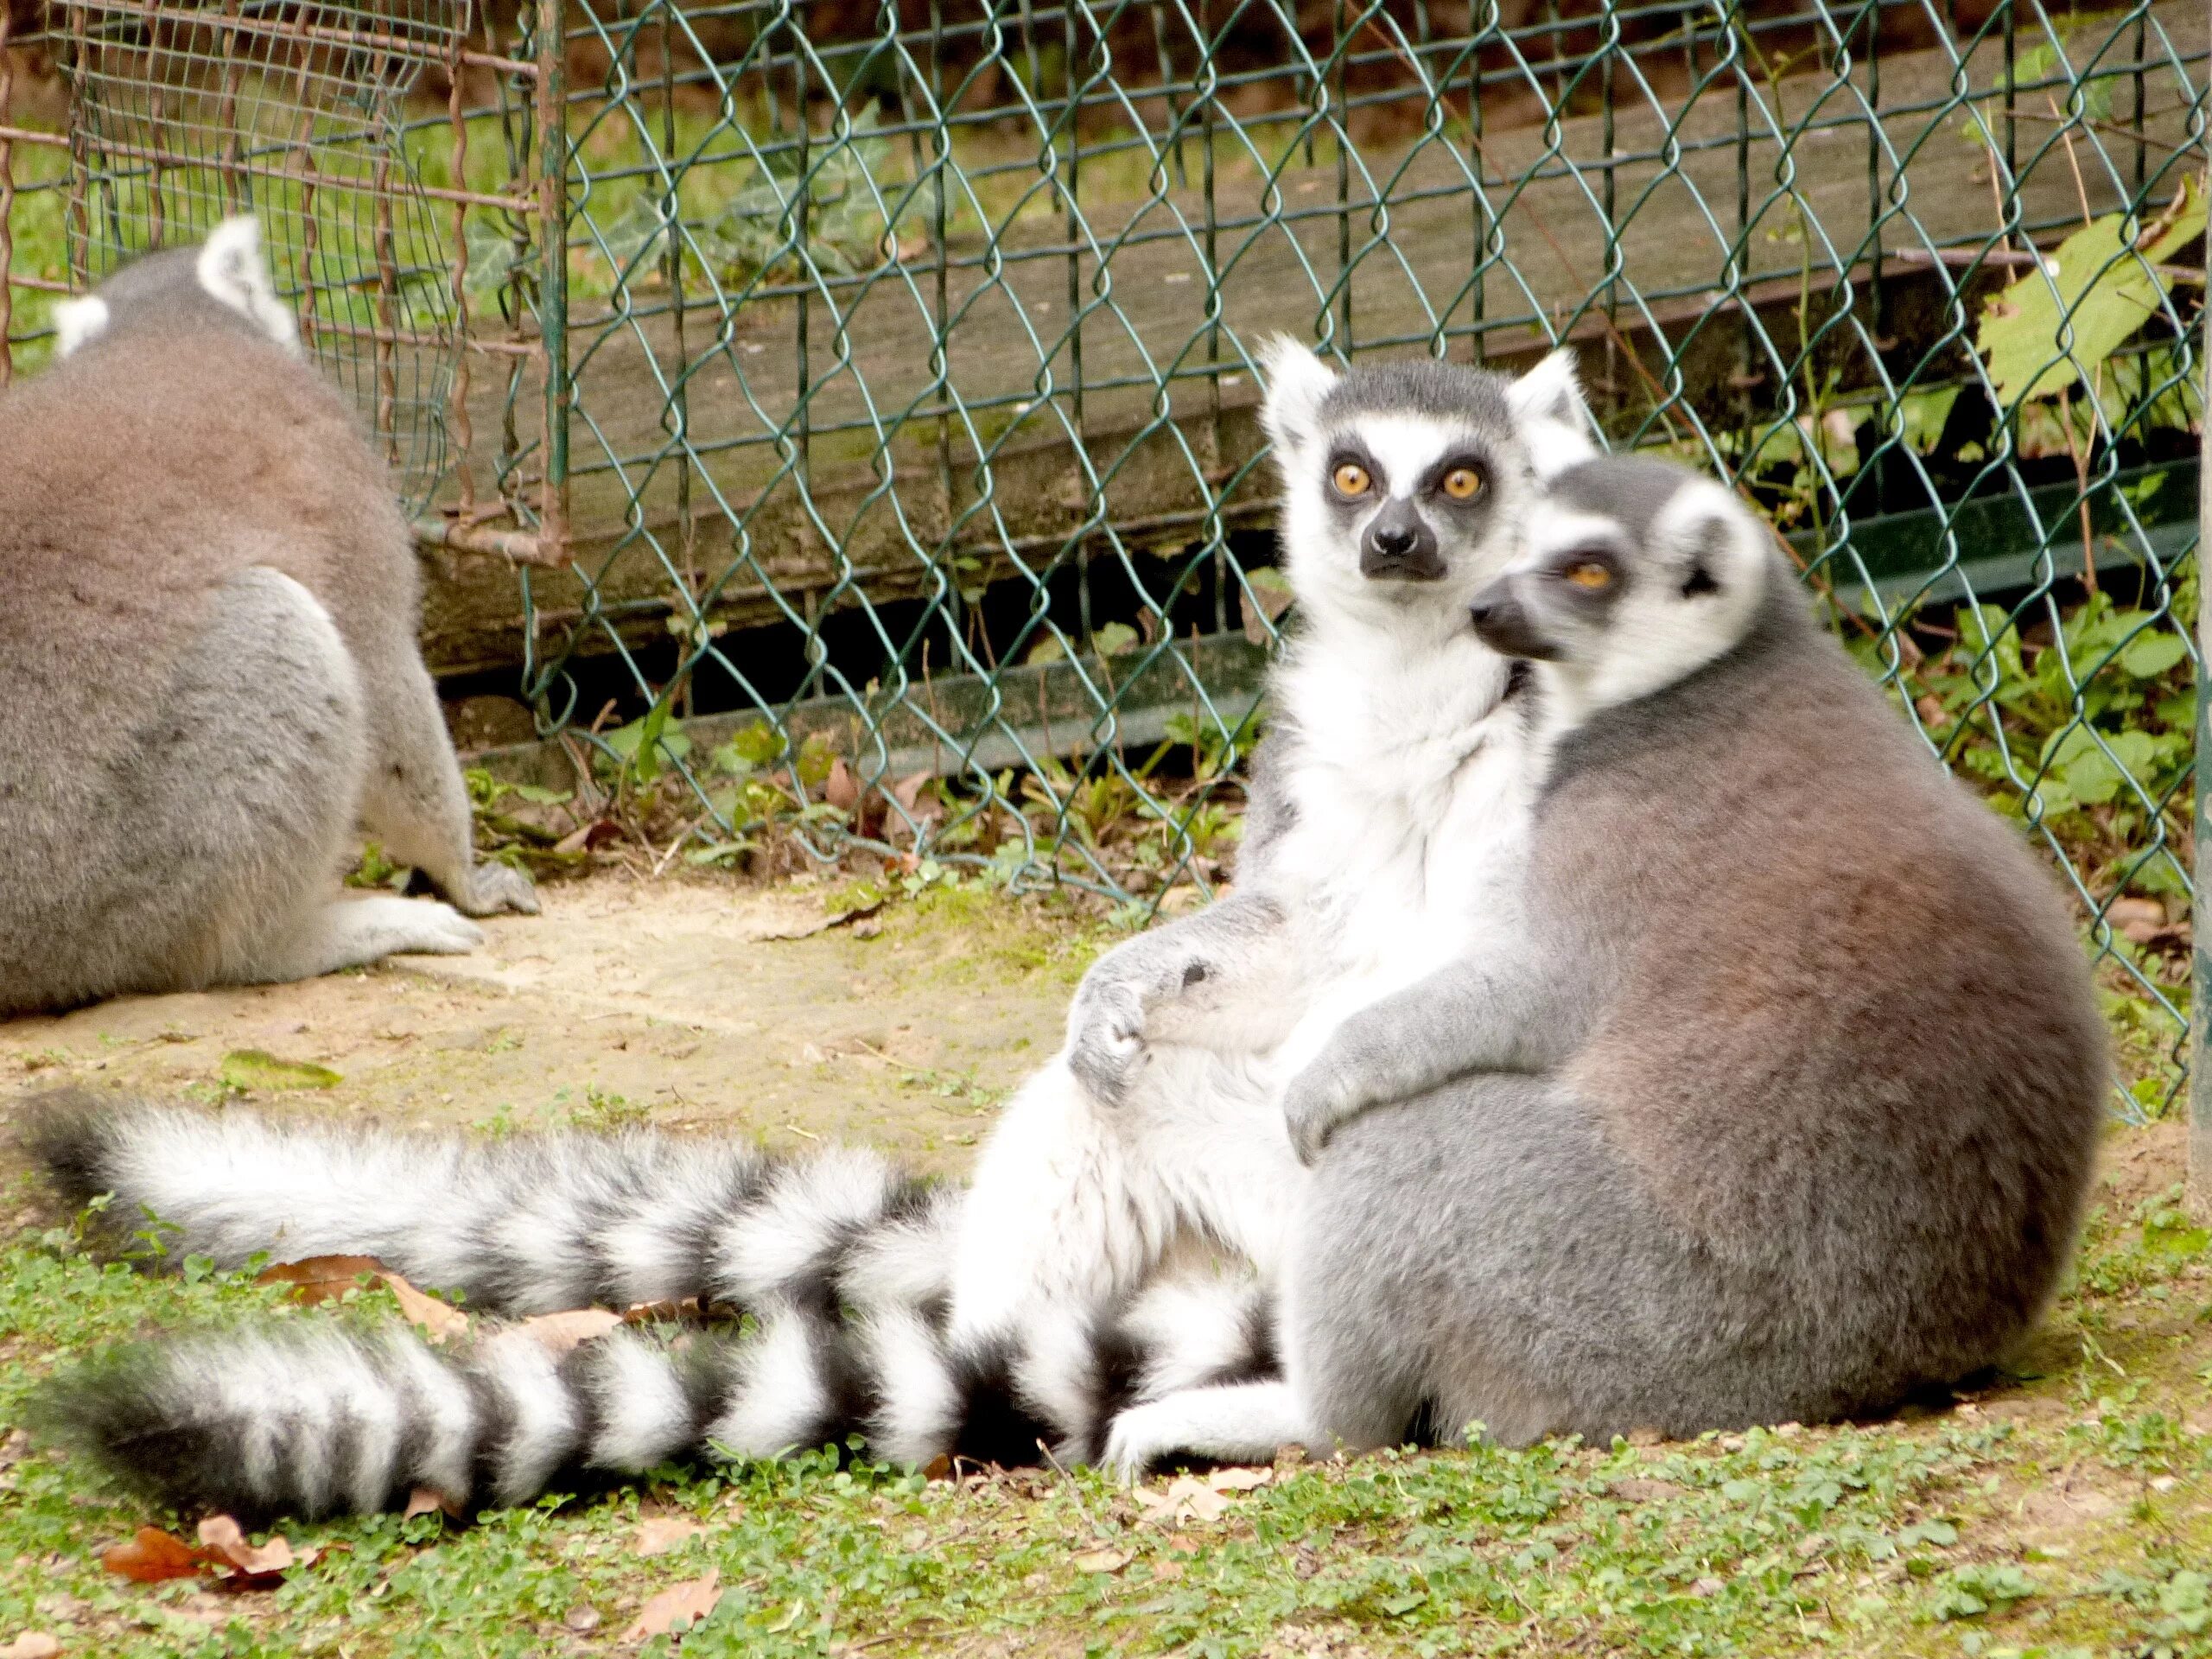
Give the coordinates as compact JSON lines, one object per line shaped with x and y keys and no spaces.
{"x":1498,"y":1014}
{"x":1227,"y":976}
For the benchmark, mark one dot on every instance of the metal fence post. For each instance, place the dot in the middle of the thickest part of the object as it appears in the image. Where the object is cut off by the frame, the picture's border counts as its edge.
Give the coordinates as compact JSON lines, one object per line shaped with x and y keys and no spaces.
{"x":2200,"y":1002}
{"x":551,"y":20}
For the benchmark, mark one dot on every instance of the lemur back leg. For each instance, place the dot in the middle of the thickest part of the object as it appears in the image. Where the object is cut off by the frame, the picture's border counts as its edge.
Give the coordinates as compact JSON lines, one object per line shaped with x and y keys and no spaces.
{"x":1415,"y":1293}
{"x":1484,"y":1254}
{"x":414,"y":800}
{"x":244,"y":793}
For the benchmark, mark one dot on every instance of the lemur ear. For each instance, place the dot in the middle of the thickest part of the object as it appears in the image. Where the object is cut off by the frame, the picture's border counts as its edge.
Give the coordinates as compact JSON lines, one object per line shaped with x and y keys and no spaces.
{"x":1704,"y":544}
{"x":76,"y":322}
{"x":1714,"y":543}
{"x":234,"y":272}
{"x":1552,"y":391}
{"x":1554,"y":417}
{"x":1297,"y":382}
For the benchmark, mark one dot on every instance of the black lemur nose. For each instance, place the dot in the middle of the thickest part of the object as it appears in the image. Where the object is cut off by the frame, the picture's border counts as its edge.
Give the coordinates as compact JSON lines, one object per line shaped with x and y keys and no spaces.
{"x":1394,"y":540}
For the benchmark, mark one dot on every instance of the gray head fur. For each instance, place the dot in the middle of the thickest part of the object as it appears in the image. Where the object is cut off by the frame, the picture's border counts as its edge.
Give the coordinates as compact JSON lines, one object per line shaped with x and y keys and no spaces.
{"x":1633,"y":575}
{"x":222,"y":283}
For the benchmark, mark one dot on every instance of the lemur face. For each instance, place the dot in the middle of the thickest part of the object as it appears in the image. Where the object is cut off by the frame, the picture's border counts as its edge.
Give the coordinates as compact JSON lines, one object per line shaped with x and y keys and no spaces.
{"x":1633,"y":574}
{"x":1405,"y":482}
{"x":1412,"y":500}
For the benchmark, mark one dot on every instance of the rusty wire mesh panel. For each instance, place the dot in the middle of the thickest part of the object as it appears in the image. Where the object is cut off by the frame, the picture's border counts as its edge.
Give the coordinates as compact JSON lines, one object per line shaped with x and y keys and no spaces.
{"x":902,"y":352}
{"x":183,"y":114}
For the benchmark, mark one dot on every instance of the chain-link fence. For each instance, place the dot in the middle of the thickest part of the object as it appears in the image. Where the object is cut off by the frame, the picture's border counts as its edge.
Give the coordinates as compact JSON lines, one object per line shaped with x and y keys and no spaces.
{"x":846,"y":411}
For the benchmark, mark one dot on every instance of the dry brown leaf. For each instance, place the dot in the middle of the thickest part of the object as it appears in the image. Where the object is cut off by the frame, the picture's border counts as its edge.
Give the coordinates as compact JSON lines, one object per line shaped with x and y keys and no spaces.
{"x":438,"y":1319}
{"x":225,"y":1539}
{"x":423,"y":1501}
{"x":2136,"y":920}
{"x":153,"y":1556}
{"x":31,"y":1644}
{"x":1185,"y":1499}
{"x":680,"y":1604}
{"x":820,"y":923}
{"x":1166,"y":1572}
{"x":839,"y":788}
{"x":586,"y":836}
{"x":1239,"y":1480}
{"x":907,"y":792}
{"x":688,"y":1310}
{"x":659,"y":1534}
{"x":1103,"y":1561}
{"x":557,"y":1333}
{"x":320,"y":1278}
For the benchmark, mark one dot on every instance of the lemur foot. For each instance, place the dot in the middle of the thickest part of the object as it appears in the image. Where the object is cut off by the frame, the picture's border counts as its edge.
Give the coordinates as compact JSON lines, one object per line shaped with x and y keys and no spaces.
{"x":382,"y":926}
{"x":1113,"y":1007}
{"x":1106,"y":1041}
{"x":495,"y":887}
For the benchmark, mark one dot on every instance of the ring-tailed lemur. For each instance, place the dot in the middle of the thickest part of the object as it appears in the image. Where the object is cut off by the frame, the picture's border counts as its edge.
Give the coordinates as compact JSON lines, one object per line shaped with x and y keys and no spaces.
{"x":1387,"y":804}
{"x":1780,"y":1104}
{"x":205,"y":583}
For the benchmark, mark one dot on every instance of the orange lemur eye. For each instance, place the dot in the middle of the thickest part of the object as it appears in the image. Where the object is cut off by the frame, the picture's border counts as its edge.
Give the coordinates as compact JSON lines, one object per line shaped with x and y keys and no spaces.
{"x":1463,"y":483}
{"x":1350,"y":478}
{"x":1589,"y":573}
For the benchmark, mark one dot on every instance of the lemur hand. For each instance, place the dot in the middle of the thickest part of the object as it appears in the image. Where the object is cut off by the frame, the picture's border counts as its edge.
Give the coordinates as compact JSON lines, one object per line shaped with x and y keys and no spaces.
{"x":495,"y":887}
{"x":1112,"y":1007}
{"x":1323,"y":1094}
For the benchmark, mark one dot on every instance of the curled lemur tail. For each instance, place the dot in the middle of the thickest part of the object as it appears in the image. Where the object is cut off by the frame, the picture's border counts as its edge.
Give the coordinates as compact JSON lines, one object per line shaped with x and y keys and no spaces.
{"x":534,"y":1223}
{"x":840,"y":1260}
{"x":313,"y":1416}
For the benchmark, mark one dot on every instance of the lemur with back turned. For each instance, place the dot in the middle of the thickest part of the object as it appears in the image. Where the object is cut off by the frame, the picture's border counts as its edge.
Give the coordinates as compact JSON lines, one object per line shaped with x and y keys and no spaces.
{"x":1774,"y":1099}
{"x":209,"y":675}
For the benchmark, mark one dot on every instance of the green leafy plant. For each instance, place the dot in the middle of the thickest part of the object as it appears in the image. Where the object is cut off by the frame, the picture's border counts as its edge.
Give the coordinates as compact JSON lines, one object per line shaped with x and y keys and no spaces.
{"x":2059,"y":326}
{"x":845,"y":230}
{"x":2090,"y":733}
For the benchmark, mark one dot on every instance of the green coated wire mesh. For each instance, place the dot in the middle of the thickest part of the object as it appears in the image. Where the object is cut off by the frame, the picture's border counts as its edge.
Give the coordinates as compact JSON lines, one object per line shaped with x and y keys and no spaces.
{"x":860,"y":438}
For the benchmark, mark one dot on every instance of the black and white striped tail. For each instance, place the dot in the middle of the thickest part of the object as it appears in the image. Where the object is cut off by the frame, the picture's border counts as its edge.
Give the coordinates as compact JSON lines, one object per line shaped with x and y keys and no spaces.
{"x":534,"y":1224}
{"x":839,"y":1260}
{"x":316,"y":1415}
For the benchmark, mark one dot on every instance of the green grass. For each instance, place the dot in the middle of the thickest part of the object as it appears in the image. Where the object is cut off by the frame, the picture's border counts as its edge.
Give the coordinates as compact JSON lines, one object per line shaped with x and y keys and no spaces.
{"x":2067,"y":1512}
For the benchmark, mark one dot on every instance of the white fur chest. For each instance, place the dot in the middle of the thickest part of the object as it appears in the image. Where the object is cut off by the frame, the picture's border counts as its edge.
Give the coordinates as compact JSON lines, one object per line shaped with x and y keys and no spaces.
{"x":1411,"y":788}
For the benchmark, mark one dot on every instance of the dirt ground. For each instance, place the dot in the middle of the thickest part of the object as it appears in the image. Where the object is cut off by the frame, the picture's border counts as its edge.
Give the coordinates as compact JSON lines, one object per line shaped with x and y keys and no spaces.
{"x":683,"y":1004}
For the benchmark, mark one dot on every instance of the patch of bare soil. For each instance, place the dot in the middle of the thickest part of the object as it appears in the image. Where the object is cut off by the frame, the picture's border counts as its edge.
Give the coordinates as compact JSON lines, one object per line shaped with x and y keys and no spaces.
{"x":683,"y":1004}
{"x":2136,"y":1164}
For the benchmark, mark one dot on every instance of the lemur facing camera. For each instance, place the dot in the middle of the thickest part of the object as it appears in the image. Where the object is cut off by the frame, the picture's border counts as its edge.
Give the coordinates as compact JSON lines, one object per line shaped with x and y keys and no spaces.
{"x":1387,"y":810}
{"x":1776,"y":1102}
{"x":208,"y":672}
